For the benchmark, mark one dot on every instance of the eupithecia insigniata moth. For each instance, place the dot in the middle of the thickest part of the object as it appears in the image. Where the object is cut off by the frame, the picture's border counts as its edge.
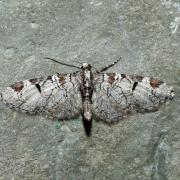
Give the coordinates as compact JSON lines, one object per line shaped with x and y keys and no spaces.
{"x":106,"y":96}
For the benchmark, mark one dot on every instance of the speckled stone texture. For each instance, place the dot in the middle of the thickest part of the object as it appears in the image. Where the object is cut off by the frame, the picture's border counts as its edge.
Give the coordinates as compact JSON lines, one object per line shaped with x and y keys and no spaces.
{"x":146,"y":33}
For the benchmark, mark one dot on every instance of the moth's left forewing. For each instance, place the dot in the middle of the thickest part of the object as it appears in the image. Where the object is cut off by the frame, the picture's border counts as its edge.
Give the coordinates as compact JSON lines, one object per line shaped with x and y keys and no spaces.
{"x":103,"y":101}
{"x":116,"y":95}
{"x":156,"y":88}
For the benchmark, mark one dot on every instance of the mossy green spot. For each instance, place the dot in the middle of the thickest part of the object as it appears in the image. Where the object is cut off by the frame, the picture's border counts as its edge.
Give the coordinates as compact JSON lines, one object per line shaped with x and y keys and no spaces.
{"x":58,"y":125}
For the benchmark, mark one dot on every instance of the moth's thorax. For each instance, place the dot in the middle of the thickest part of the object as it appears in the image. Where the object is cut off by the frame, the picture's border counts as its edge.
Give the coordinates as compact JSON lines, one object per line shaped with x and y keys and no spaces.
{"x":86,"y":75}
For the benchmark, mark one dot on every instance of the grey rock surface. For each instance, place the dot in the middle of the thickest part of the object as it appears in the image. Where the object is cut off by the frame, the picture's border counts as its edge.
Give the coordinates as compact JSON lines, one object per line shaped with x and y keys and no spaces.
{"x":145,"y":33}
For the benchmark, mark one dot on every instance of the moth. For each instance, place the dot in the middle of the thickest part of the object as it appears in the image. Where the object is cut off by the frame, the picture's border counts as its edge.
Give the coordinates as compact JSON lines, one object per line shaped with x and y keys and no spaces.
{"x":90,"y":93}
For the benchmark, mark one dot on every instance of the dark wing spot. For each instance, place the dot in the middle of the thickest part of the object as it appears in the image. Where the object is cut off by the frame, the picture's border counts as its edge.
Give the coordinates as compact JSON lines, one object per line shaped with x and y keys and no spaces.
{"x":123,"y":76}
{"x":49,"y":78}
{"x":38,"y":87}
{"x":136,"y":78}
{"x":155,"y":83}
{"x":134,"y":86}
{"x":111,"y":77}
{"x":61,"y":79}
{"x":139,"y":78}
{"x":33,"y":81}
{"x":36,"y":80}
{"x":17,"y":86}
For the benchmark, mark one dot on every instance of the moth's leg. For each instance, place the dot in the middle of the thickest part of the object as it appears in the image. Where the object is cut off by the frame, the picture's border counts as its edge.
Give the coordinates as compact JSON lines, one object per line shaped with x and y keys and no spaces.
{"x":52,"y":59}
{"x":52,"y":115}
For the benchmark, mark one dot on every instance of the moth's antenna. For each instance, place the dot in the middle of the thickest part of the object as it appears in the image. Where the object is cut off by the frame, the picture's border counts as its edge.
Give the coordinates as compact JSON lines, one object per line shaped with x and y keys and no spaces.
{"x":52,"y":59}
{"x":110,"y":65}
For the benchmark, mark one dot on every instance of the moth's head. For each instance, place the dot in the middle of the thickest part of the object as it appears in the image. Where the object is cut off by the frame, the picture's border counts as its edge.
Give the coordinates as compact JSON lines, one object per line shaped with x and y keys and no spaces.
{"x":86,"y":66}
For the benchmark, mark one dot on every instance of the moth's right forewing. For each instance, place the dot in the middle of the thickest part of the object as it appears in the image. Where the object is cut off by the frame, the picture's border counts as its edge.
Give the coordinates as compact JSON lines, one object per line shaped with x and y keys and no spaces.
{"x":58,"y":95}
